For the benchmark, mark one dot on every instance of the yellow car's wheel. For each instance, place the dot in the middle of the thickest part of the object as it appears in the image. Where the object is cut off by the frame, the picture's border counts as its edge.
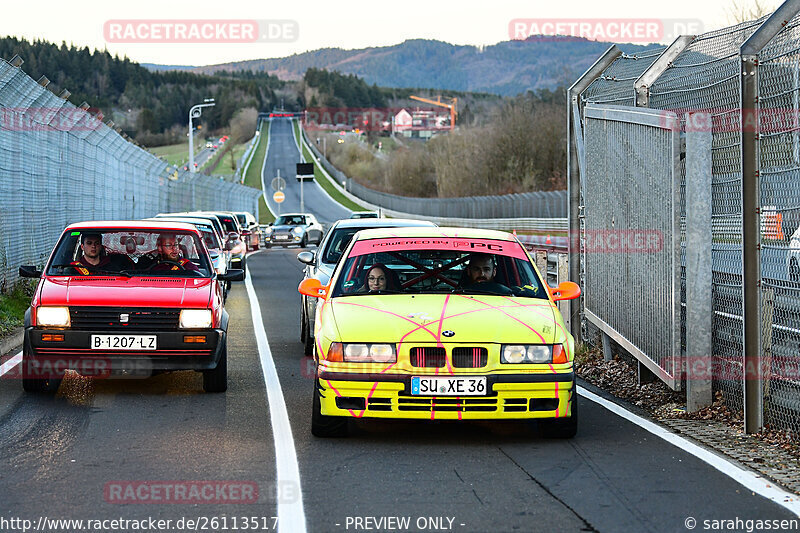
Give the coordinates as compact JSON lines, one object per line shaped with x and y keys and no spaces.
{"x":562,"y":428}
{"x":325,"y":426}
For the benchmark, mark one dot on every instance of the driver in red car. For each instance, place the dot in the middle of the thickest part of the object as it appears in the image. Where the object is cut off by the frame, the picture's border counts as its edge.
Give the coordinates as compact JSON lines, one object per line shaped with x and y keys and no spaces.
{"x":169,"y":255}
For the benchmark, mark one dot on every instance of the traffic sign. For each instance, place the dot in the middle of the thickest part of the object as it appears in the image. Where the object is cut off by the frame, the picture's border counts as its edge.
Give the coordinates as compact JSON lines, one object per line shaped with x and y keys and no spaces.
{"x":278,"y":197}
{"x":278,"y":184}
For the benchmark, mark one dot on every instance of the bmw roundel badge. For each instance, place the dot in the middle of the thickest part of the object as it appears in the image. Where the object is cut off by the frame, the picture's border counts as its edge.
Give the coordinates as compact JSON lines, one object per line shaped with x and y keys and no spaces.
{"x":448,"y":333}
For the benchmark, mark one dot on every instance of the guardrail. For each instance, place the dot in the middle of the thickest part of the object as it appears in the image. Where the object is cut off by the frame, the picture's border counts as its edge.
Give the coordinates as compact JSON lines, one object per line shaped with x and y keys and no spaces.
{"x":542,"y":233}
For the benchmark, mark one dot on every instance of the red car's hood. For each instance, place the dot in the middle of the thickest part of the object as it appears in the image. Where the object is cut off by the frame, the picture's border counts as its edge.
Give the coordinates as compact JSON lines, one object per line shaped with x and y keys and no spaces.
{"x":129,"y":292}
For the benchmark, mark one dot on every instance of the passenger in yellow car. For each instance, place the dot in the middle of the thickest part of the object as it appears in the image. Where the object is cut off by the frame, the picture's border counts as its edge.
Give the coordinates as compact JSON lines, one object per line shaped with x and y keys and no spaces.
{"x":380,"y":278}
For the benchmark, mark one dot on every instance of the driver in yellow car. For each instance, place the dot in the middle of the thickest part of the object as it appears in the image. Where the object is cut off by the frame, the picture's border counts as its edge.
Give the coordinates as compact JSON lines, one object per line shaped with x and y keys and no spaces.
{"x":481,"y":268}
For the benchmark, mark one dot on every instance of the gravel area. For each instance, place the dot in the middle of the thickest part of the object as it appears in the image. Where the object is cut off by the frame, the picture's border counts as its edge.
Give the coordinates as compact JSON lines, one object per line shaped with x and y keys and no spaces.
{"x":773,"y":453}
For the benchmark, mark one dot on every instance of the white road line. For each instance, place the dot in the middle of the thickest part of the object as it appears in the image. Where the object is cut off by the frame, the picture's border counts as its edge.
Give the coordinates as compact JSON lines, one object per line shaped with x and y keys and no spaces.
{"x":291,"y":516}
{"x":263,"y":166}
{"x":747,"y":478}
{"x":11,"y":363}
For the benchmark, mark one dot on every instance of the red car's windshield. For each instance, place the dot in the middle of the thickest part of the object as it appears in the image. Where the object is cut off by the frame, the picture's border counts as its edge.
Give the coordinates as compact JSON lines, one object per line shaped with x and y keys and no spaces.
{"x":133,"y":252}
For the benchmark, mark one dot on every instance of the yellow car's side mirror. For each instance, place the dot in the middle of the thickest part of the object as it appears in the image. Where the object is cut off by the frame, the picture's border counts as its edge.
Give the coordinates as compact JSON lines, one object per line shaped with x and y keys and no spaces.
{"x":312,"y":287}
{"x":566,"y":290}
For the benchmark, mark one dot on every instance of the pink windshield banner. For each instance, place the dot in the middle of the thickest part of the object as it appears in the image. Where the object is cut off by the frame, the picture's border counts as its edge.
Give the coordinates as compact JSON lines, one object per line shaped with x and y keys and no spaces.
{"x":400,"y":244}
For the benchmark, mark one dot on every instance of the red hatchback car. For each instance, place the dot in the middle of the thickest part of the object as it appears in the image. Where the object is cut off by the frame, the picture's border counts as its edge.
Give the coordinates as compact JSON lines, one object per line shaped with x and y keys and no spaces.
{"x":126,"y":297}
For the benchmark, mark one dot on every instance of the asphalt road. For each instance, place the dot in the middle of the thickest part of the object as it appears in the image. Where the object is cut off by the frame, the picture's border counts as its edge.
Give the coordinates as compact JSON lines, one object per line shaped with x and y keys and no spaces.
{"x":62,"y":457}
{"x":283,"y":156}
{"x":59,"y":454}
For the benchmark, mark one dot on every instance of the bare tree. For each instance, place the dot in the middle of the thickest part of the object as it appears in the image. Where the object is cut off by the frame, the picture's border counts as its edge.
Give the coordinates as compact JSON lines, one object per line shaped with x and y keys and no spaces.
{"x":745,"y":10}
{"x":243,"y":124}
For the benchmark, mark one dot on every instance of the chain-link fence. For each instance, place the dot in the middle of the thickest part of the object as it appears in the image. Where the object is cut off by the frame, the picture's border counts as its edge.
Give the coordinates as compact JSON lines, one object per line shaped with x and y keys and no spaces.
{"x":632,"y":231}
{"x":61,"y":164}
{"x":755,"y":132}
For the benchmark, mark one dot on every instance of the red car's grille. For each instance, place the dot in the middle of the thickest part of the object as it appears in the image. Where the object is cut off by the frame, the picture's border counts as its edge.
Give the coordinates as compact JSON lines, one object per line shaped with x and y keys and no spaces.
{"x":434,"y":357}
{"x":120,"y":318}
{"x":105,"y":353}
{"x":465,"y":357}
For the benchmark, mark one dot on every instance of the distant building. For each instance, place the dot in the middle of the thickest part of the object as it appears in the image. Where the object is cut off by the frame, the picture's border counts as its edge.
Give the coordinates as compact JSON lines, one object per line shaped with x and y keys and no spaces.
{"x":402,"y":122}
{"x":421,"y":123}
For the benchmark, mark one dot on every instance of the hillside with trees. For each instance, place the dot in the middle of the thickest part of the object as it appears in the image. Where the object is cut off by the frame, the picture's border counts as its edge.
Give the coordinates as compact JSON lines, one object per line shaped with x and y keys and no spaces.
{"x":151,"y":107}
{"x":507,"y":68}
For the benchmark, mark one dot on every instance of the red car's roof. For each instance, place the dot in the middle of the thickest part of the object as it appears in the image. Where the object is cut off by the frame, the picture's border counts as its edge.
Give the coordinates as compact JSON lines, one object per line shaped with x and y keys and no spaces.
{"x":133,"y":224}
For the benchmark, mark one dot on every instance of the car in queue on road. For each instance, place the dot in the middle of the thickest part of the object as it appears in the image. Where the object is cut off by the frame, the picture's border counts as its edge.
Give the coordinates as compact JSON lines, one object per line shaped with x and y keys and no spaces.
{"x":235,"y":237}
{"x":793,"y":257}
{"x":365,"y":214}
{"x":232,"y":240}
{"x":441,"y":324}
{"x":220,"y":256}
{"x":250,"y":227}
{"x":301,"y":229}
{"x":120,"y":297}
{"x":321,"y":262}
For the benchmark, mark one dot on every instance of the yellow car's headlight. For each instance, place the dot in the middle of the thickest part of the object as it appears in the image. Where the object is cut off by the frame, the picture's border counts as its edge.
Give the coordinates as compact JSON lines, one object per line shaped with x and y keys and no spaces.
{"x":370,"y":353}
{"x":54,"y":317}
{"x":513,"y":354}
{"x":195,"y":318}
{"x":533,"y":353}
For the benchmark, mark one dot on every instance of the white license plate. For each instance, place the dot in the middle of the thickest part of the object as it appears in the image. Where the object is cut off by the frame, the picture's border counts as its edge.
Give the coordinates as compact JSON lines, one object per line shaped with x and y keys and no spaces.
{"x":281,"y":237}
{"x":448,"y":386}
{"x":123,"y":342}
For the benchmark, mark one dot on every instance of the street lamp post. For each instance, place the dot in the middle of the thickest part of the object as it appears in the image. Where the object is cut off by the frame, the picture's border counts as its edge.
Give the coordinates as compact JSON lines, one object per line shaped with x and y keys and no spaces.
{"x":195,"y":112}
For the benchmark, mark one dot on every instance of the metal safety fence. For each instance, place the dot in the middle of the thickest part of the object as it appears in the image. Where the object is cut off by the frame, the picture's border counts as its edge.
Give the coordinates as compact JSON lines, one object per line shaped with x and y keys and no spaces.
{"x":61,"y":164}
{"x":740,"y":86}
{"x":543,"y":204}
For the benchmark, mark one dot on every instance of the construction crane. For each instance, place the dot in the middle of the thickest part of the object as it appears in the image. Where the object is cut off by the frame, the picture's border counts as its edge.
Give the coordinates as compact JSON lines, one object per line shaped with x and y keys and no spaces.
{"x":451,"y":106}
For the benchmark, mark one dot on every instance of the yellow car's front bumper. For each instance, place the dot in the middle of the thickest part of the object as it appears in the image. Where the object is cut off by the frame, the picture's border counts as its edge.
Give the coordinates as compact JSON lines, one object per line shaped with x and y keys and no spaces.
{"x":515,"y":396}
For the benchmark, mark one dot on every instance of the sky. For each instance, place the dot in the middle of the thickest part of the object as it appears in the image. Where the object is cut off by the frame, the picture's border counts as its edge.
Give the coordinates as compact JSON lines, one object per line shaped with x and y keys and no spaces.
{"x":298,"y":26}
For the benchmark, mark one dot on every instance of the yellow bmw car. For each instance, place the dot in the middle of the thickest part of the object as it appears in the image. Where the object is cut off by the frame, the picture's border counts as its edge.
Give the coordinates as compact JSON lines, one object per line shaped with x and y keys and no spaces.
{"x":441,"y":324}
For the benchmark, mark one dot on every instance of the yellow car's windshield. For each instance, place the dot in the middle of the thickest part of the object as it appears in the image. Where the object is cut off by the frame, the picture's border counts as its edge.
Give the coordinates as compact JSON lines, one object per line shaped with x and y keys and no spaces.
{"x":444,"y":266}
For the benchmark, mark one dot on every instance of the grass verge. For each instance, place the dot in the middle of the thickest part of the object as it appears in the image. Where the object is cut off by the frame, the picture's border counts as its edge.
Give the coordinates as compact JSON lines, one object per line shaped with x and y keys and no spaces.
{"x":323,"y":181}
{"x":223,"y":167}
{"x":13,"y":306}
{"x":175,"y":154}
{"x":253,"y":176}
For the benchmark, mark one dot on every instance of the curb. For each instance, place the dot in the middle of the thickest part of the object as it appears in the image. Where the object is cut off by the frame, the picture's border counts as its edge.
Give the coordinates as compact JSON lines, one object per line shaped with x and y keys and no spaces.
{"x":12,"y":342}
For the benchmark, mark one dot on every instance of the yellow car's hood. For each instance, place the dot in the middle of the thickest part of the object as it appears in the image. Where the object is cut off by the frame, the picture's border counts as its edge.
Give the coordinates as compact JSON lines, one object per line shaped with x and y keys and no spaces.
{"x":424,"y":318}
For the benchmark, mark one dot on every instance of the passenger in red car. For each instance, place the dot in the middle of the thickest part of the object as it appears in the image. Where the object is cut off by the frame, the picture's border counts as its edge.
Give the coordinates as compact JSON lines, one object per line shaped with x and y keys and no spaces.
{"x":94,"y":257}
{"x":169,"y":255}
